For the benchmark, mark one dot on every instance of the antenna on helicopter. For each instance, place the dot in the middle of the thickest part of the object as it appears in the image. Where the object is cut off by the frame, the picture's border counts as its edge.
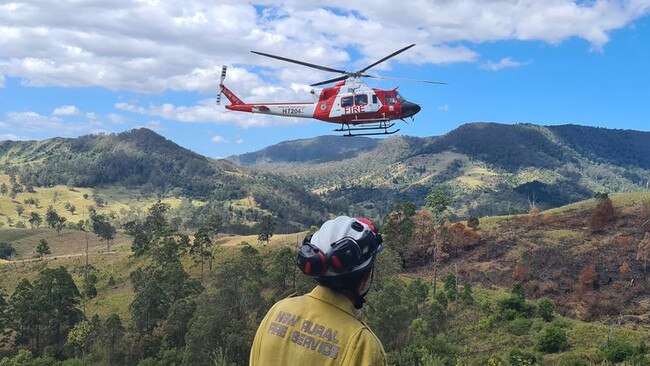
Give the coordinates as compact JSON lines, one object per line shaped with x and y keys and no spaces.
{"x":223,"y":77}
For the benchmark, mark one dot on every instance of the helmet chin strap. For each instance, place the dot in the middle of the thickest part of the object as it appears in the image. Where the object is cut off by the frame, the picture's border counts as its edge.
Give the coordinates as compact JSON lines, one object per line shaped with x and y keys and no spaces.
{"x":360,"y":298}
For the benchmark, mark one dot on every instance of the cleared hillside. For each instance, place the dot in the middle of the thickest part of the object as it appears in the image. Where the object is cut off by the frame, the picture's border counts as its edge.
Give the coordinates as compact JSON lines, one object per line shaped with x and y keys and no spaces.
{"x":550,"y":253}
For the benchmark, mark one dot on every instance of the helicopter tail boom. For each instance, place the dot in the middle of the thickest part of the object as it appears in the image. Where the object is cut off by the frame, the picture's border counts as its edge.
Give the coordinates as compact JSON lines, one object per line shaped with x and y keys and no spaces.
{"x":234,"y":100}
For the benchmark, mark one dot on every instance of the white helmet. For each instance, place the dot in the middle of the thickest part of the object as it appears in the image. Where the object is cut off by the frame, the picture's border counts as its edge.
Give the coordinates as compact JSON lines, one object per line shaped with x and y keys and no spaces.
{"x":341,"y":246}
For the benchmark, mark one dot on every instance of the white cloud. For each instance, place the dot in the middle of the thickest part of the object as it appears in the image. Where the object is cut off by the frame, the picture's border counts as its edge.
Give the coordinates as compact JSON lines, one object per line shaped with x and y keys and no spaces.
{"x":116,"y":118}
{"x":504,"y":63}
{"x":8,"y":136}
{"x":2,"y":81}
{"x":206,"y":111}
{"x":66,"y":110}
{"x":153,"y":46}
{"x":219,"y":139}
{"x":34,"y":122}
{"x":30,"y":122}
{"x":444,"y":107}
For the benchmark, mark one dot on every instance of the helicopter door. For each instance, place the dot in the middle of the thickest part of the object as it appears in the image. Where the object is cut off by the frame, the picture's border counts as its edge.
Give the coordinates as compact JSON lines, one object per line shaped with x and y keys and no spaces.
{"x":366,"y":103}
{"x":373,"y":103}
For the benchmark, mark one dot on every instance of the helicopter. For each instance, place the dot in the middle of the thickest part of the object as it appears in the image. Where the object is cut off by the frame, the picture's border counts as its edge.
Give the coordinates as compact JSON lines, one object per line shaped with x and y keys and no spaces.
{"x":358,"y":108}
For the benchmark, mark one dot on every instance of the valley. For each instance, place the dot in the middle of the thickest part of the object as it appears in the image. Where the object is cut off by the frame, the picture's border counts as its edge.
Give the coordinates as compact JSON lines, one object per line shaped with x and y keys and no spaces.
{"x":547,"y":238}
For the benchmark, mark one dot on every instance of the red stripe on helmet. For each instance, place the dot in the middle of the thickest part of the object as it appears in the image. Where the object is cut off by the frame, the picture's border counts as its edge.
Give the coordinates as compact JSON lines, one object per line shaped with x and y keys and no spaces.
{"x":369,"y":223}
{"x":336,"y":261}
{"x":308,"y":268}
{"x":322,"y":261}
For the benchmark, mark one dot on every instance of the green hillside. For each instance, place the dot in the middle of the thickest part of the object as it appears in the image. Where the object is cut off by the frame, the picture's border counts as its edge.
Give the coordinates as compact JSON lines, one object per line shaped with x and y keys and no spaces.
{"x":140,"y":166}
{"x":317,"y":150}
{"x":488,"y":168}
{"x":487,"y":320}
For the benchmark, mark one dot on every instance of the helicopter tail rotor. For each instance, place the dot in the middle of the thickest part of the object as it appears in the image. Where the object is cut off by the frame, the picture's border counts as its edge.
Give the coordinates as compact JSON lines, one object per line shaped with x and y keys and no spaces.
{"x":223,"y":77}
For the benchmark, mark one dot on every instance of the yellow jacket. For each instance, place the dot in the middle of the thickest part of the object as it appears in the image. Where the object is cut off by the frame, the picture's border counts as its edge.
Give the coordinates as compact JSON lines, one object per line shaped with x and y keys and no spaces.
{"x":319,"y":328}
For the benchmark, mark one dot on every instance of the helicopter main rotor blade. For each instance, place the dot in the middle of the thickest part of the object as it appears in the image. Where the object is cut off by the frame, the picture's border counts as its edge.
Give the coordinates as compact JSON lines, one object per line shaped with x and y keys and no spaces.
{"x":384,"y":59}
{"x":331,"y":80}
{"x":318,"y":67}
{"x":405,"y":79}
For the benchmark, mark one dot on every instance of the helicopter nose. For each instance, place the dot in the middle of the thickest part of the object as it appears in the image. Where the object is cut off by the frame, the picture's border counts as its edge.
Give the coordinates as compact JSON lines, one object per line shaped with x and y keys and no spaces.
{"x":410,"y":109}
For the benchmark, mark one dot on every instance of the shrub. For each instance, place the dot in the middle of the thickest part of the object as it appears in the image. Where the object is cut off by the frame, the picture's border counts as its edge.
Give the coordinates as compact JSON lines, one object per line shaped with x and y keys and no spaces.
{"x":466,"y":295}
{"x":450,"y":286}
{"x":587,"y":276}
{"x":511,"y":307}
{"x":495,"y":361}
{"x":441,"y":298}
{"x":473,"y":222}
{"x":533,"y":216}
{"x":519,"y":326}
{"x":625,"y":268}
{"x":521,"y":273}
{"x":485,"y":324}
{"x":6,"y":250}
{"x":518,"y":357}
{"x":433,"y":351}
{"x":602,"y":215}
{"x":552,"y":340}
{"x":617,"y":350}
{"x":545,"y":309}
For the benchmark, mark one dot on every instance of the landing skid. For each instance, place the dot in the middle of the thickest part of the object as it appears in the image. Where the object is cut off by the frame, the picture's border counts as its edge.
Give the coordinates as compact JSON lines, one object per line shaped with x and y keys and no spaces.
{"x":378,"y":127}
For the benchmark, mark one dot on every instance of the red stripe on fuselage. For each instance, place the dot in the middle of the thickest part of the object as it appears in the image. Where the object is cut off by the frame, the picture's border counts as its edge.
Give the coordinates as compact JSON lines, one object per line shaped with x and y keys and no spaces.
{"x":326,"y":101}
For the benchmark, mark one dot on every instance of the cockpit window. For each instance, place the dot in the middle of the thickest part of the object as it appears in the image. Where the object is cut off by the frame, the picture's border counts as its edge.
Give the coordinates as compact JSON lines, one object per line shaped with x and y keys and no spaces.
{"x":399,"y":97}
{"x":361,"y":99}
{"x":390,"y":99}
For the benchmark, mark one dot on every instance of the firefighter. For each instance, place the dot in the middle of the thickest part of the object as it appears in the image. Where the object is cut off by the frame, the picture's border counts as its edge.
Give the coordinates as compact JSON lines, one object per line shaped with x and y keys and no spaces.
{"x":322,"y":327}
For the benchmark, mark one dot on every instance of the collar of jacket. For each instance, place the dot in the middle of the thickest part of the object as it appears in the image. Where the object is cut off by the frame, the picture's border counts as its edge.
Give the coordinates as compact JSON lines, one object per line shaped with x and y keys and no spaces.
{"x":334,"y":298}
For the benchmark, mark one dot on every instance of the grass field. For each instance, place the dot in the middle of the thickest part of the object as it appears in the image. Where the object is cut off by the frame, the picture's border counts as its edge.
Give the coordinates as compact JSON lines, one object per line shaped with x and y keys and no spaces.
{"x":66,"y":243}
{"x":475,"y":177}
{"x":68,"y":250}
{"x":118,"y":200}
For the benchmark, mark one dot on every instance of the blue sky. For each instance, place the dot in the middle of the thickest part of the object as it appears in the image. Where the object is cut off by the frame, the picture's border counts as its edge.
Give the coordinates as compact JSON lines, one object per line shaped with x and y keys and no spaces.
{"x":113,"y":66}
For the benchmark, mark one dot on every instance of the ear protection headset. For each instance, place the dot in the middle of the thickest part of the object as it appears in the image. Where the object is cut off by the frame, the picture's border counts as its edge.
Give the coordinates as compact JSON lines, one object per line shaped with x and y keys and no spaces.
{"x":343,"y":255}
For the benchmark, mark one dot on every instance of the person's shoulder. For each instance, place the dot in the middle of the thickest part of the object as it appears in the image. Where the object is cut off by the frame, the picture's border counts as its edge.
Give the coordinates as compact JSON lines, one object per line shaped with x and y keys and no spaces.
{"x":290,"y":300}
{"x":369,"y":336}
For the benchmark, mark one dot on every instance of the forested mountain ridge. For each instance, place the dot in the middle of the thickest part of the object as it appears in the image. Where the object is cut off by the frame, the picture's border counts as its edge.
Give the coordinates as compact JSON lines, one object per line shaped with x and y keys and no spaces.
{"x":146,"y":162}
{"x":318,"y":149}
{"x":488,"y":168}
{"x":134,"y":158}
{"x":513,"y":147}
